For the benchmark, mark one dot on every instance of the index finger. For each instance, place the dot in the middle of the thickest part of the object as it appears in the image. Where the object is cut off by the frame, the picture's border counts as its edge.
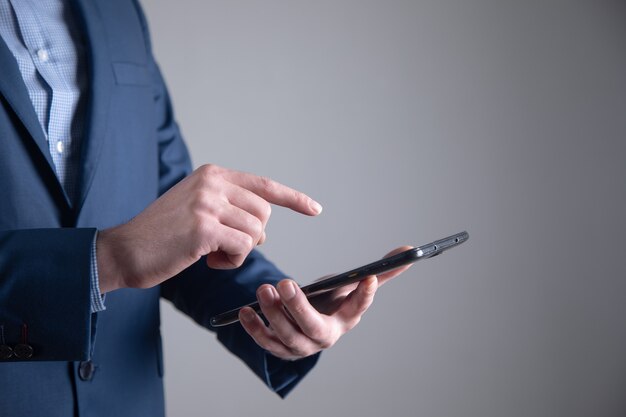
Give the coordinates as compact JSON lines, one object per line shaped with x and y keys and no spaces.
{"x":275,"y":192}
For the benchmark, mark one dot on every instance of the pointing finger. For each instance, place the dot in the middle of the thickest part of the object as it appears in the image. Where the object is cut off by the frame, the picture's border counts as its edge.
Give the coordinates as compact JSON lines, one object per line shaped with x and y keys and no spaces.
{"x":275,"y":192}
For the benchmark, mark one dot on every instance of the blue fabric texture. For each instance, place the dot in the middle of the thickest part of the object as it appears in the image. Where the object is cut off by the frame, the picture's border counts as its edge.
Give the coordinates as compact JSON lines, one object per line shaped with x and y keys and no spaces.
{"x":131,"y":151}
{"x":42,"y":36}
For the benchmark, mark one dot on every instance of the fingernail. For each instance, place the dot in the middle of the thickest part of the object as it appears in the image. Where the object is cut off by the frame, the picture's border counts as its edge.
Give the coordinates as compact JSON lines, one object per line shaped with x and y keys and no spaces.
{"x":287,"y":289}
{"x":266,"y":295}
{"x":315,"y":206}
{"x":247,"y":315}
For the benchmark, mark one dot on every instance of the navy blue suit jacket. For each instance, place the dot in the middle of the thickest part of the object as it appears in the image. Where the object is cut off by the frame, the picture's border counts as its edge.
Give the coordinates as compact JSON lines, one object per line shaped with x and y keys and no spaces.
{"x":131,"y":153}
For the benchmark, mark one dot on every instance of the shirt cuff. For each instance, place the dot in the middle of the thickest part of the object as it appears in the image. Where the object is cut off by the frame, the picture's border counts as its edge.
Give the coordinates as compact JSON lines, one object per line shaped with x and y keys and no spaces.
{"x":97,"y":299}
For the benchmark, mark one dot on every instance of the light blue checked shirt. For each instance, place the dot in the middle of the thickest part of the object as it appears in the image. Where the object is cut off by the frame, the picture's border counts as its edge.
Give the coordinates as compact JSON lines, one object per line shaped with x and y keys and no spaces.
{"x":44,"y":39}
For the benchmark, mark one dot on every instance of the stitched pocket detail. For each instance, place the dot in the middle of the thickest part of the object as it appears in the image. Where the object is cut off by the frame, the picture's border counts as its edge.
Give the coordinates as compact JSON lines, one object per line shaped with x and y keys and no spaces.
{"x":127,"y":73}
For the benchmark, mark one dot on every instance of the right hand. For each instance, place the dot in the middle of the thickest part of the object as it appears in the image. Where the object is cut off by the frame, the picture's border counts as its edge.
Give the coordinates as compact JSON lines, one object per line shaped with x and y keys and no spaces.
{"x":214,"y":211}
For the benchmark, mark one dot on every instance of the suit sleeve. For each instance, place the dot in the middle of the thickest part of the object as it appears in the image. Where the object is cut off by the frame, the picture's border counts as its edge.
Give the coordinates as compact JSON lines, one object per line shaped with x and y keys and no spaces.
{"x":201,"y":292}
{"x":45,"y":292}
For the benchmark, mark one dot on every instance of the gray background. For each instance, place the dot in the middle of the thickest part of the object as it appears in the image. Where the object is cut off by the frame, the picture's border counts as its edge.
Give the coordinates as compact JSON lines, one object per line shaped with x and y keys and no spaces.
{"x":410,"y":120}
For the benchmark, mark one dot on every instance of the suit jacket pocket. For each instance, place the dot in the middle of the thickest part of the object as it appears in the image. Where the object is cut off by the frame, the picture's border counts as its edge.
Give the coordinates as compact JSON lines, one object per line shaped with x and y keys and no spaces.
{"x":128,"y":73}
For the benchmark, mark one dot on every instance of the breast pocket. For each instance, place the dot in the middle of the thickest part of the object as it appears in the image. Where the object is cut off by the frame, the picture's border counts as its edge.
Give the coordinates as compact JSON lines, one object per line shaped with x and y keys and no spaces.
{"x":128,"y":73}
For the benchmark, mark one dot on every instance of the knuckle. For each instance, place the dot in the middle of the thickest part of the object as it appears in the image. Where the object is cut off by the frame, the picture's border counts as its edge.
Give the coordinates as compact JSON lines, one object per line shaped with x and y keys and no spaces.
{"x":309,"y":352}
{"x":208,"y":170}
{"x":300,"y":198}
{"x":253,"y":330}
{"x":198,"y":207}
{"x":298,"y":308}
{"x":203,"y":201}
{"x":370,"y":290}
{"x":301,"y":352}
{"x":368,"y":300}
{"x":257,"y":334}
{"x":199,"y":227}
{"x":246,"y":243}
{"x":203,"y":242}
{"x":279,"y":353}
{"x":326,"y":343}
{"x":321,"y":336}
{"x":257,"y":228}
{"x":197,"y":198}
{"x":208,"y":206}
{"x":267,"y":184}
{"x":237,"y":261}
{"x":205,"y":172}
{"x":201,"y":224}
{"x":212,"y":185}
{"x":210,"y":177}
{"x":291,"y":342}
{"x":265,"y":212}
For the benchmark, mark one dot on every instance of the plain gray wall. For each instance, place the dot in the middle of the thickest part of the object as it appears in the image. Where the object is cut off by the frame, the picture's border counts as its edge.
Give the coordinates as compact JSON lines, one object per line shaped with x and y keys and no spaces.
{"x":410,"y":120}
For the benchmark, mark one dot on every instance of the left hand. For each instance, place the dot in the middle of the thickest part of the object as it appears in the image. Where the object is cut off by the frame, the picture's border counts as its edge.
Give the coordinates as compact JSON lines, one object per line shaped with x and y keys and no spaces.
{"x":299,"y":327}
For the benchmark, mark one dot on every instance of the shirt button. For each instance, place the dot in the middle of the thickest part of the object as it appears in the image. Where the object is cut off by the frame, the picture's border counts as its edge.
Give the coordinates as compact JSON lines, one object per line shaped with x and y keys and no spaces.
{"x":60,"y":147}
{"x":43,"y":55}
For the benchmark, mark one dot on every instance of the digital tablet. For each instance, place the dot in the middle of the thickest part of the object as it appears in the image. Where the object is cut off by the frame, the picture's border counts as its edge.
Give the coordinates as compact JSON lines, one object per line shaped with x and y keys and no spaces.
{"x":357,"y":274}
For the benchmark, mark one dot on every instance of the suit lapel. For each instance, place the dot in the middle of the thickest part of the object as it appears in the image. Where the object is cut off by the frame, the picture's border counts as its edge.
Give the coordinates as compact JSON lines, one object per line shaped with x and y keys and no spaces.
{"x":14,"y":90}
{"x":100,"y":84}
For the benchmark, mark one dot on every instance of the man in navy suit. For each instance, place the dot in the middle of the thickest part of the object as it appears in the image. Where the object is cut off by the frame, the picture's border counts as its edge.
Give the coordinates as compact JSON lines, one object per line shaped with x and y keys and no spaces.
{"x":101,"y":215}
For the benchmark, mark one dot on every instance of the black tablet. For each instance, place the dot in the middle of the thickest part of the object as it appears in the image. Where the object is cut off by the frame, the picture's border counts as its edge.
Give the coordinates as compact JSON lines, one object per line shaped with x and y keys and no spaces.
{"x":357,"y":274}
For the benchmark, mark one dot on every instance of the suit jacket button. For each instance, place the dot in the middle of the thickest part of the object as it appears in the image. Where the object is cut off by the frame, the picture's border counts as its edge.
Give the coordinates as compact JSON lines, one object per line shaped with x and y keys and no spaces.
{"x":23,"y":351}
{"x":5,"y":352}
{"x":86,"y":370}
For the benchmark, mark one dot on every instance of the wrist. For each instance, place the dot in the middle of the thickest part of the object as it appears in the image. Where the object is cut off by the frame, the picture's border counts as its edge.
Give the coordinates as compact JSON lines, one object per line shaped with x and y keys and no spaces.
{"x":109,"y":266}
